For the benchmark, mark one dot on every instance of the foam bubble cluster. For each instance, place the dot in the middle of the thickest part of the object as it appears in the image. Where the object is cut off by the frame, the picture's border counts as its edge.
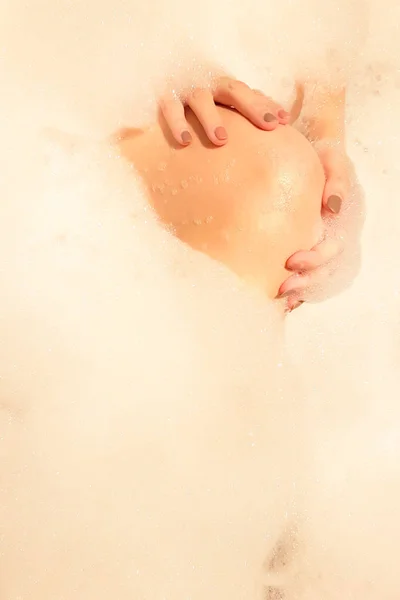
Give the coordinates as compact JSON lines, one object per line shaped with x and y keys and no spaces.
{"x":158,"y":442}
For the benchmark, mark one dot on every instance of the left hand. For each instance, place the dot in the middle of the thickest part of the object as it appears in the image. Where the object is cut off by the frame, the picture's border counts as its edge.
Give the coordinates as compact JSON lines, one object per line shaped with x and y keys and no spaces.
{"x":259,"y":109}
{"x":312,"y":269}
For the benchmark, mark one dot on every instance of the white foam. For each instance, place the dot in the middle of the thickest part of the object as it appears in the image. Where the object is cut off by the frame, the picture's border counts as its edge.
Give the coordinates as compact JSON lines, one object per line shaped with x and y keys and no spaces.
{"x":354,"y":382}
{"x":119,"y":342}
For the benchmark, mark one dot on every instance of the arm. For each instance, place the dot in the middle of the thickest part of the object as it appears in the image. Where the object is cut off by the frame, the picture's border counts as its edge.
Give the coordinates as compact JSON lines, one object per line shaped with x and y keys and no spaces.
{"x":324,"y":118}
{"x":323,"y":122}
{"x":254,"y":105}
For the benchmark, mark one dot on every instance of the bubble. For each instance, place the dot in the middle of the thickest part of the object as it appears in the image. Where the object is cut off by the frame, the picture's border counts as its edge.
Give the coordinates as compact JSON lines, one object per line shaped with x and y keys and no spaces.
{"x":158,"y":187}
{"x":154,"y":347}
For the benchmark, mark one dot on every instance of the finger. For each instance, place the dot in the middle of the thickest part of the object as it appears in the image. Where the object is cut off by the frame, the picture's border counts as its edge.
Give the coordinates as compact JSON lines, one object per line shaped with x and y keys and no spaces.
{"x":292,"y":304}
{"x":322,"y":253}
{"x":281,"y":114}
{"x":295,"y":283}
{"x":174,"y":113}
{"x":253,"y":105}
{"x":337,"y":186}
{"x":318,"y":283}
{"x":202,"y":104}
{"x":305,"y":288}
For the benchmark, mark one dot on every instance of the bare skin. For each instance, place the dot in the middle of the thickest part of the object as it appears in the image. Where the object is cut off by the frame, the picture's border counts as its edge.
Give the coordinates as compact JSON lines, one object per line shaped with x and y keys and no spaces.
{"x":249,"y":204}
{"x":324,"y":123}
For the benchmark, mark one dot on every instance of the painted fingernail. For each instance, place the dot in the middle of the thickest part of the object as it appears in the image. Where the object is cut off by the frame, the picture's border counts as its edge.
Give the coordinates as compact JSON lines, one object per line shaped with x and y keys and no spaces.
{"x":282,"y":114}
{"x":334,"y":203}
{"x":220,"y":134}
{"x":285,"y":294}
{"x":186,"y":137}
{"x":299,"y":266}
{"x":269,"y":117}
{"x":296,"y":304}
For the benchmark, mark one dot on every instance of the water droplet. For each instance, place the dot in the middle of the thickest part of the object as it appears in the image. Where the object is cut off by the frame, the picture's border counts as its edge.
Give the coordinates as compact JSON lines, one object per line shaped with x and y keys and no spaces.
{"x":196,"y":178}
{"x":184,"y":184}
{"x":158,"y":187}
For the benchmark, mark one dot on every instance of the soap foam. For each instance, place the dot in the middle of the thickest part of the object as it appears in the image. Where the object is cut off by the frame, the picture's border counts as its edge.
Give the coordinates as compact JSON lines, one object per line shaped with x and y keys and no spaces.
{"x":132,"y":364}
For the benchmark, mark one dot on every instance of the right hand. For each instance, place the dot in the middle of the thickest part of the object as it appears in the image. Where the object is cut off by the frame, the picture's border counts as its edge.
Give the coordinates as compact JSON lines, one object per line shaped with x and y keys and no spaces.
{"x":252,"y":104}
{"x":330,"y":266}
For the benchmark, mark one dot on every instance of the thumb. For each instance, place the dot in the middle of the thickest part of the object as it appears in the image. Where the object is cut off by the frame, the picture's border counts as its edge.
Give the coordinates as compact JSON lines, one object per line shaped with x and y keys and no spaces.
{"x":334,"y":194}
{"x":337,"y":183}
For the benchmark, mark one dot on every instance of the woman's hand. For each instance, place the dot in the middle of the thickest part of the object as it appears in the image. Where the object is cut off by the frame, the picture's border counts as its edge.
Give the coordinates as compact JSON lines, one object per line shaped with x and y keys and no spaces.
{"x":313,"y":269}
{"x":252,"y":104}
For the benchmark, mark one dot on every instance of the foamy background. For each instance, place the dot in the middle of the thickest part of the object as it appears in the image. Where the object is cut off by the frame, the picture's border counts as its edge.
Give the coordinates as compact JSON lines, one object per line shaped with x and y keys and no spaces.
{"x":73,"y":68}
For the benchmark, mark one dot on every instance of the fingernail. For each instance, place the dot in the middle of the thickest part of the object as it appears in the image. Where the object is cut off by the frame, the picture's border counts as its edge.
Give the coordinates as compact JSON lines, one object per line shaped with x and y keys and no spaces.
{"x":299,"y":267}
{"x":186,"y":137}
{"x":283,"y":114}
{"x":295,"y":283}
{"x":290,"y":309}
{"x":269,"y":118}
{"x":334,"y":203}
{"x":297,"y":304}
{"x":220,"y":134}
{"x":286,"y":294}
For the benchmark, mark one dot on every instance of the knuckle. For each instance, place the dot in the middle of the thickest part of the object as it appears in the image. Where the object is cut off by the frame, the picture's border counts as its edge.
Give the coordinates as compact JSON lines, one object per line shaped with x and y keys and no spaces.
{"x":167,"y":104}
{"x":268,"y":101}
{"x":235,"y":86}
{"x":339,"y":184}
{"x":198,"y":95}
{"x":270,"y":105}
{"x":340,"y":176}
{"x":163,"y":104}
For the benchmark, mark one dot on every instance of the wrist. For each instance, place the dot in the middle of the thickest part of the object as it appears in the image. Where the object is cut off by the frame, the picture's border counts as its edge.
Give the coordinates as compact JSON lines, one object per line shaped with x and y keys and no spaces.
{"x":331,"y":128}
{"x":325,"y":144}
{"x":324,"y":117}
{"x":327,"y":126}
